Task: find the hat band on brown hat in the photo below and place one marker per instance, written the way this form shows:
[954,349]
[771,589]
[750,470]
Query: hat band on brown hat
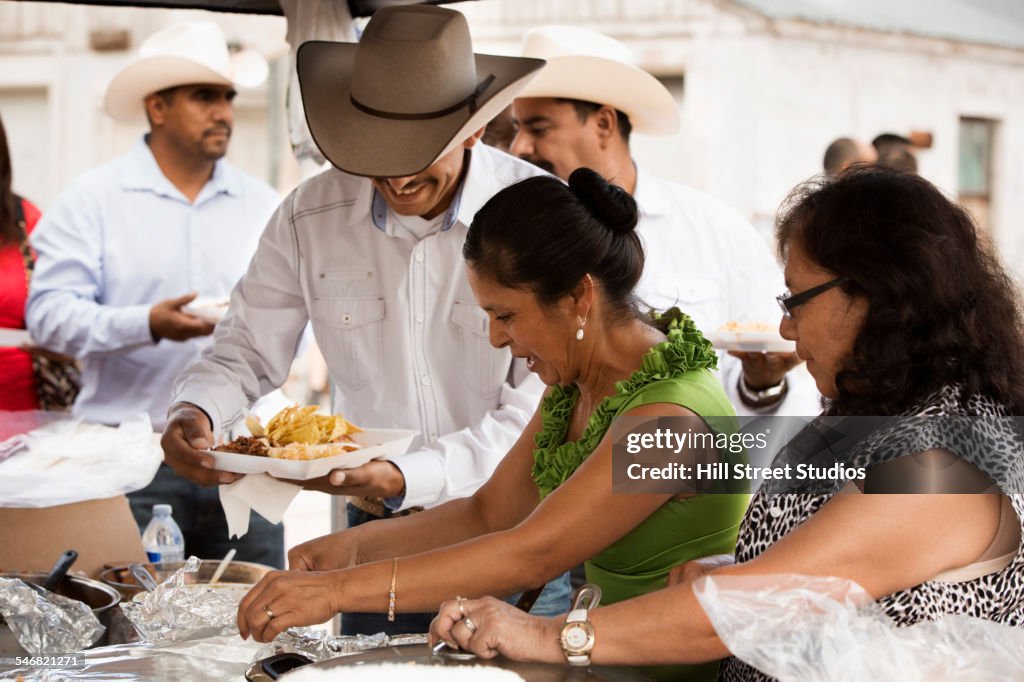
[471,100]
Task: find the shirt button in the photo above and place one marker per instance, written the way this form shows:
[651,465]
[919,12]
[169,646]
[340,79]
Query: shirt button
[419,319]
[419,256]
[346,318]
[433,436]
[425,380]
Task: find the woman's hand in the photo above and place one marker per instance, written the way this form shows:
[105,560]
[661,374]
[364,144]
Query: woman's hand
[285,599]
[488,627]
[327,553]
[691,570]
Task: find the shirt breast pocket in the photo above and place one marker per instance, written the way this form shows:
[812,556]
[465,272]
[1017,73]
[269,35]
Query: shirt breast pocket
[350,334]
[698,297]
[484,367]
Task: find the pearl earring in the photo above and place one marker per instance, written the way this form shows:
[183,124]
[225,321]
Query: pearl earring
[579,332]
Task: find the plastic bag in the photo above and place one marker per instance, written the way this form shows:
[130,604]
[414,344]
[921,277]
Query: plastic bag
[48,460]
[812,629]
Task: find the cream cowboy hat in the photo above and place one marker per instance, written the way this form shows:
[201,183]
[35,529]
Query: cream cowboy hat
[591,66]
[408,93]
[183,54]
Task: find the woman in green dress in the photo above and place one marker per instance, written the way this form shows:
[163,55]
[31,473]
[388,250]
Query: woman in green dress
[555,267]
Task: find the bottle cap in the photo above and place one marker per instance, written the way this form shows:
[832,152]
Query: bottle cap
[161,509]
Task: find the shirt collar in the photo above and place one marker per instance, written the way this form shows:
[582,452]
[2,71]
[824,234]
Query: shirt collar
[649,194]
[141,172]
[464,205]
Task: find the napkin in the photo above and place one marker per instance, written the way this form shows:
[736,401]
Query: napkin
[267,496]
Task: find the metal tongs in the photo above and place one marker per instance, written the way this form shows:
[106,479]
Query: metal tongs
[143,576]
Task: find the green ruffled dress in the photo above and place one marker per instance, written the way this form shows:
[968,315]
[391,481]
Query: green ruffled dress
[675,371]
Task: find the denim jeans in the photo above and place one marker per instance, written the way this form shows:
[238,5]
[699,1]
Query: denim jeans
[553,600]
[198,513]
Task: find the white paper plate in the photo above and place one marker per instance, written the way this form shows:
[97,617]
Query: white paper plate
[377,444]
[14,338]
[768,342]
[208,308]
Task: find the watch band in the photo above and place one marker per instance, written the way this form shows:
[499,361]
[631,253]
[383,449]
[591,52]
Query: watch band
[577,637]
[763,396]
[576,615]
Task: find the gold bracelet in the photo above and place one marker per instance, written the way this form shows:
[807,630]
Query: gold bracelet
[391,592]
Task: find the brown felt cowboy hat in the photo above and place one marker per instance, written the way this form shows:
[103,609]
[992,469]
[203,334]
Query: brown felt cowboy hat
[408,93]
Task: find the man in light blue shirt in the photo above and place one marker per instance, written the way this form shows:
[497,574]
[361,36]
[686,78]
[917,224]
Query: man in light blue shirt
[129,244]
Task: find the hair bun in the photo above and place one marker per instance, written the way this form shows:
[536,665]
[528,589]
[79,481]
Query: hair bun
[610,204]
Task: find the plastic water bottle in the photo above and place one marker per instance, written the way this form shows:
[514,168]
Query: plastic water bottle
[163,540]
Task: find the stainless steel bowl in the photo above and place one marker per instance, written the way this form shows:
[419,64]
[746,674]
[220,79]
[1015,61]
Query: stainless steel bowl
[242,572]
[102,599]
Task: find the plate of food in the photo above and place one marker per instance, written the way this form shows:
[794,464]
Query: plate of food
[207,308]
[751,337]
[299,443]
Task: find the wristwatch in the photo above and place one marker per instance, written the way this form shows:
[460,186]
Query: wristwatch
[577,635]
[762,397]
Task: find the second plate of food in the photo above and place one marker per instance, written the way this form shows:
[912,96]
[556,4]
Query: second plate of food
[751,337]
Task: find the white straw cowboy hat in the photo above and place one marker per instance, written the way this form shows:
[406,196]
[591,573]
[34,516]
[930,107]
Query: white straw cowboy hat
[591,66]
[408,93]
[183,54]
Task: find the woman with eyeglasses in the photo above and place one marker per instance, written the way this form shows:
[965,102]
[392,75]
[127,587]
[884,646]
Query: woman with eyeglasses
[901,311]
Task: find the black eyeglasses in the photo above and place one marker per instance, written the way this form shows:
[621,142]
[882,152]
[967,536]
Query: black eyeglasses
[788,301]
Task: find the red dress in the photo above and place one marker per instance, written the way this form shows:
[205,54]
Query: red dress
[17,381]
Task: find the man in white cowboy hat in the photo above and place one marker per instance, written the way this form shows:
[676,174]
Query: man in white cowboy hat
[128,245]
[701,255]
[371,252]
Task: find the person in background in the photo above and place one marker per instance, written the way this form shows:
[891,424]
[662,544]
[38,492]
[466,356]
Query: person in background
[128,245]
[896,152]
[18,217]
[500,132]
[886,331]
[701,255]
[846,151]
[555,267]
[371,252]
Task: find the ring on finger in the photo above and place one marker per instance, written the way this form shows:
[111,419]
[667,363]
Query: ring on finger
[270,614]
[470,625]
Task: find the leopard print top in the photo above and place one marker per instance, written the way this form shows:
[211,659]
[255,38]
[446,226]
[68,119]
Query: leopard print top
[998,597]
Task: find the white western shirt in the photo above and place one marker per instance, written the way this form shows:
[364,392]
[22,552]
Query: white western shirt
[120,239]
[395,318]
[703,257]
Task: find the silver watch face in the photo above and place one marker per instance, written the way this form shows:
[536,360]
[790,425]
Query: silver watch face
[576,638]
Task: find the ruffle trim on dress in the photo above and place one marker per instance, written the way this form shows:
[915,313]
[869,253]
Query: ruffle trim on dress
[684,350]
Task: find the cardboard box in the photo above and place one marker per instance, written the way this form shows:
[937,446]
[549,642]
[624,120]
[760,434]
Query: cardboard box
[101,531]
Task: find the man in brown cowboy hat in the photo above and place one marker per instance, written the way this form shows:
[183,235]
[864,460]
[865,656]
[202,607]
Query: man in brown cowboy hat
[371,252]
[127,246]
